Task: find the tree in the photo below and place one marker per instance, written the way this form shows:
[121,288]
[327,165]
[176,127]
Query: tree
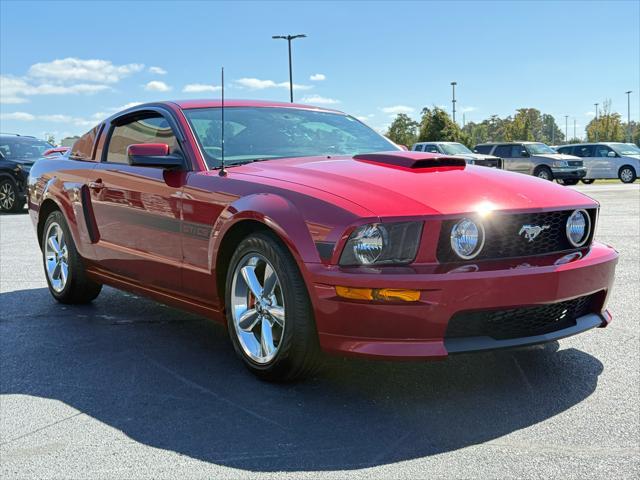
[50,138]
[436,125]
[403,130]
[608,127]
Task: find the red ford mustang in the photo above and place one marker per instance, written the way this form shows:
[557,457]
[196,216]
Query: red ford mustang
[317,235]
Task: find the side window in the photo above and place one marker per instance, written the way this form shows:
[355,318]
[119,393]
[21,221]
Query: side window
[565,150]
[583,151]
[417,148]
[503,151]
[483,149]
[431,149]
[602,151]
[516,151]
[152,129]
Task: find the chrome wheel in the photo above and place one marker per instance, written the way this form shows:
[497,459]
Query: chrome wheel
[626,175]
[257,308]
[56,257]
[7,196]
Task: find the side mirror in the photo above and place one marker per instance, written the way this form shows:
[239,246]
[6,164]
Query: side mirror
[611,154]
[153,155]
[524,153]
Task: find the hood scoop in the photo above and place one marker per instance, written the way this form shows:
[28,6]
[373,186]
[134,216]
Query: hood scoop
[411,160]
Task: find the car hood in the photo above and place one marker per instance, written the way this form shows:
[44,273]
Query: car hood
[476,156]
[557,156]
[393,190]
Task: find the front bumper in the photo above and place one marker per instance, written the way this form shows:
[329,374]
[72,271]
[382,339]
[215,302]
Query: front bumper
[418,329]
[571,173]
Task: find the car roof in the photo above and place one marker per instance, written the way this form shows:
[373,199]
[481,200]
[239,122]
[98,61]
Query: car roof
[588,143]
[216,102]
[437,141]
[515,142]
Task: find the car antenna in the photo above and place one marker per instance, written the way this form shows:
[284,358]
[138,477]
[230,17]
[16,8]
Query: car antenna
[223,172]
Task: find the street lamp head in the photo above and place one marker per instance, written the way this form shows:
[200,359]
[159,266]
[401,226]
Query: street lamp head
[275,37]
[628,92]
[454,83]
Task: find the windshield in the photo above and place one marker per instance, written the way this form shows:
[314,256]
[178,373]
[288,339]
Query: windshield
[625,148]
[455,149]
[538,149]
[266,133]
[21,149]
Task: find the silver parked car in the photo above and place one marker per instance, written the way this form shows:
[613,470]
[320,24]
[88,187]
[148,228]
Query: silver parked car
[535,158]
[455,149]
[607,160]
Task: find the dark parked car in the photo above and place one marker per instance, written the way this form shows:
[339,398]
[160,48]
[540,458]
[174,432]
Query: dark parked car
[17,155]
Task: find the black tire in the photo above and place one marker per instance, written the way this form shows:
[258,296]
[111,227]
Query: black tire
[298,353]
[79,288]
[10,201]
[588,181]
[627,174]
[543,172]
[571,181]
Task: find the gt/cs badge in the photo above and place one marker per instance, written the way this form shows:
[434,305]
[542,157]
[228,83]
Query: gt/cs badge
[532,231]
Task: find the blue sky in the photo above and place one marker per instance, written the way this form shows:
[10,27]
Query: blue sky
[66,65]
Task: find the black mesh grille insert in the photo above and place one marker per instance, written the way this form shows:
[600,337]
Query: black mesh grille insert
[504,240]
[519,322]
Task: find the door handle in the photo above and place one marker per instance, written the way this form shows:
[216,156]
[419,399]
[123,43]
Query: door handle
[97,185]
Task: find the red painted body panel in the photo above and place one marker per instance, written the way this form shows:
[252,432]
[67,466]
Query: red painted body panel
[159,233]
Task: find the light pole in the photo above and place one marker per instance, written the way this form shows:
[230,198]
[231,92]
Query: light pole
[288,38]
[596,124]
[453,99]
[566,129]
[628,116]
[574,128]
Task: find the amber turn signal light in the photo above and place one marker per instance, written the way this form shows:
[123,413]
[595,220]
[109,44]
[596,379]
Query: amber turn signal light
[388,294]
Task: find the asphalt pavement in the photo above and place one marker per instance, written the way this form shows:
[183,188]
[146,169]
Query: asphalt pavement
[129,388]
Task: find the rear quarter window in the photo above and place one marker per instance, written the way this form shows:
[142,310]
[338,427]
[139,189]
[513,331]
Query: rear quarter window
[83,148]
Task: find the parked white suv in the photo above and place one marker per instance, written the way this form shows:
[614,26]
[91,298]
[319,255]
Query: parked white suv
[607,160]
[455,149]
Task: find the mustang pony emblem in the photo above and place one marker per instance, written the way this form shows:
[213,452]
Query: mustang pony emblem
[532,231]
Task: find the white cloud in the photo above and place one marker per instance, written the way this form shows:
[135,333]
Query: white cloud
[157,70]
[396,109]
[317,77]
[365,118]
[258,84]
[318,100]
[468,109]
[14,89]
[22,116]
[590,114]
[157,86]
[76,69]
[200,87]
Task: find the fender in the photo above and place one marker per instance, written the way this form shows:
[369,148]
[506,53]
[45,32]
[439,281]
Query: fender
[67,197]
[277,213]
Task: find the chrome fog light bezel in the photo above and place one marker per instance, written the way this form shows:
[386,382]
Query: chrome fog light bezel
[479,245]
[587,228]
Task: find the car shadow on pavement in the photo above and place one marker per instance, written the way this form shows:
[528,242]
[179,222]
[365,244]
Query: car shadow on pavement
[171,380]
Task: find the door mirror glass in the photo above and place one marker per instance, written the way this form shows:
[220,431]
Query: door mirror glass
[611,154]
[153,155]
[524,153]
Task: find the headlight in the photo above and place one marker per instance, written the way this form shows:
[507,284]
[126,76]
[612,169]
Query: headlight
[560,163]
[467,238]
[578,228]
[382,243]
